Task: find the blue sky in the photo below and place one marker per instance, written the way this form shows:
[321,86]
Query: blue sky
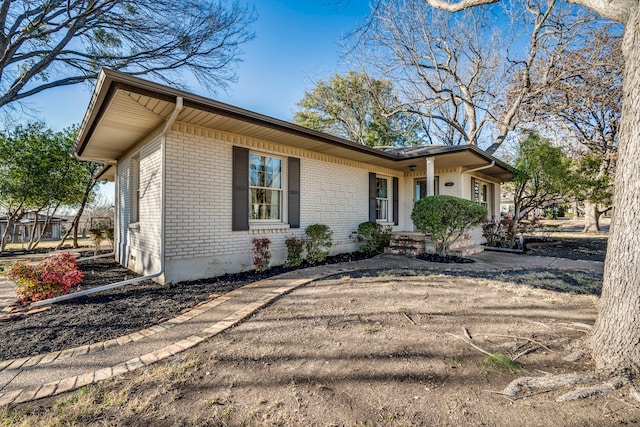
[296,42]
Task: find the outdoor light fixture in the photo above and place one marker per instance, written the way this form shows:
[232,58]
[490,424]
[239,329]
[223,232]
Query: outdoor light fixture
[412,167]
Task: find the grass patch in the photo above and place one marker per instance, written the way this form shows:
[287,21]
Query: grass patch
[453,362]
[502,363]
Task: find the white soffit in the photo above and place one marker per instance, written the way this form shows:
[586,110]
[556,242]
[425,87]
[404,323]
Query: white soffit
[127,120]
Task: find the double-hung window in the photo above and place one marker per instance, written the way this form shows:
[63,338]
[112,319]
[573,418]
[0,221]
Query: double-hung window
[382,199]
[265,188]
[481,193]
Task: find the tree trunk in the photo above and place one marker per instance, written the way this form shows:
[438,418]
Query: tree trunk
[591,218]
[5,234]
[576,213]
[34,230]
[76,221]
[47,222]
[614,342]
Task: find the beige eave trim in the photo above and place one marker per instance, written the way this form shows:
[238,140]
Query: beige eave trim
[124,110]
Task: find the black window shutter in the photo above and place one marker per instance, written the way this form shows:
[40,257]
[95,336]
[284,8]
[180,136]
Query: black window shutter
[294,192]
[396,208]
[372,196]
[473,190]
[436,185]
[240,195]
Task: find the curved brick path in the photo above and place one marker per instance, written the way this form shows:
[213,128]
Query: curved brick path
[45,375]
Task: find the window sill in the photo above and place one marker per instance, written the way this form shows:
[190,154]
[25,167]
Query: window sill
[386,223]
[257,228]
[134,226]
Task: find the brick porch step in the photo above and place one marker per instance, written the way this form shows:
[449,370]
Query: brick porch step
[408,244]
[416,243]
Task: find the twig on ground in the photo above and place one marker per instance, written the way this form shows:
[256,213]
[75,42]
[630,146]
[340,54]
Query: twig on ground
[576,326]
[467,333]
[521,338]
[538,323]
[524,353]
[409,318]
[501,394]
[470,343]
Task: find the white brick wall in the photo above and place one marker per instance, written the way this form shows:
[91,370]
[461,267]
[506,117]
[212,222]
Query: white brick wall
[198,183]
[139,246]
[199,240]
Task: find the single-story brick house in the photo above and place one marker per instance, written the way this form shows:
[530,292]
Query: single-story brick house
[196,180]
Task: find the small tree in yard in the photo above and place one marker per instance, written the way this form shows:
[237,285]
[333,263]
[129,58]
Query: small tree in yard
[446,218]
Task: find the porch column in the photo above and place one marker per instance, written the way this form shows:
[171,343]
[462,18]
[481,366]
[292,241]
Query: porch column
[430,176]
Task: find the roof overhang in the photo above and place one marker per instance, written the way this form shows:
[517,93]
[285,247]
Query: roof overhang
[125,110]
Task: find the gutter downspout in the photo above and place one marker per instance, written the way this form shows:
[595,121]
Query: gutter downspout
[493,162]
[172,118]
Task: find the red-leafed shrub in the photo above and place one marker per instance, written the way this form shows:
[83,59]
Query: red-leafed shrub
[261,253]
[50,278]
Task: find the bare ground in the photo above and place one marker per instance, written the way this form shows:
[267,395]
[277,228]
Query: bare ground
[380,348]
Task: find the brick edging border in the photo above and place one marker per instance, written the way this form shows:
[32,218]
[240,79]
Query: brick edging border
[45,358]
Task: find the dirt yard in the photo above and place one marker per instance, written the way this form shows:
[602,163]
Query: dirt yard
[372,349]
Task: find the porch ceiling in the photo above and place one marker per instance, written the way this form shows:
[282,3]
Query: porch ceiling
[125,110]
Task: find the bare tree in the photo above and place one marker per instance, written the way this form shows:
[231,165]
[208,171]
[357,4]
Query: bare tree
[50,43]
[455,70]
[586,102]
[614,340]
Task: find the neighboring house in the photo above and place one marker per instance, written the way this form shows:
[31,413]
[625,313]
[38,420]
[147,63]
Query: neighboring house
[22,230]
[197,179]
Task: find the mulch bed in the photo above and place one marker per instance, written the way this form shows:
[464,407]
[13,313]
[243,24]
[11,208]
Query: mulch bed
[116,312]
[589,248]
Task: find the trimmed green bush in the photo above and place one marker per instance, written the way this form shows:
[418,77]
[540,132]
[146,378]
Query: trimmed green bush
[446,218]
[295,247]
[373,236]
[318,242]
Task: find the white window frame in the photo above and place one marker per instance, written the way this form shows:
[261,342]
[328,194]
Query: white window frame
[481,193]
[134,190]
[279,190]
[383,200]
